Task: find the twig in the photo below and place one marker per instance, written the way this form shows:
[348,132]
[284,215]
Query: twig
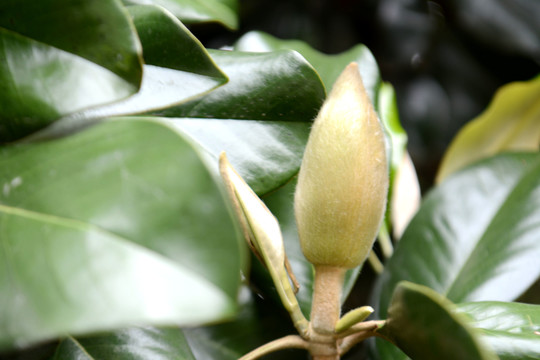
[287,342]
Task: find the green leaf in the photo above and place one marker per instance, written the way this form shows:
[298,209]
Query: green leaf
[511,329]
[266,151]
[259,89]
[328,66]
[110,221]
[475,236]
[177,68]
[196,11]
[60,56]
[129,344]
[422,324]
[169,44]
[510,123]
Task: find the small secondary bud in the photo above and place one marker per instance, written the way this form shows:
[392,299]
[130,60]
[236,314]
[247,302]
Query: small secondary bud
[343,181]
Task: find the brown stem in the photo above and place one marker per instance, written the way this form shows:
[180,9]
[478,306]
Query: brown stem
[325,311]
[326,306]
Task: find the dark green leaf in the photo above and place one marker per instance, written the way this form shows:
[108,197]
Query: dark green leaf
[266,151]
[279,86]
[196,11]
[130,344]
[511,329]
[103,229]
[422,324]
[177,68]
[328,66]
[475,236]
[169,44]
[57,57]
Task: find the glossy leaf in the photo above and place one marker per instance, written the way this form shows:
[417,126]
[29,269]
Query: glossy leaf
[267,150]
[107,224]
[58,57]
[328,66]
[511,329]
[130,344]
[260,88]
[196,11]
[510,123]
[177,68]
[422,324]
[474,237]
[169,44]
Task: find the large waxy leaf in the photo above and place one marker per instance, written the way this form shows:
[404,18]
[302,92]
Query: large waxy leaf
[475,236]
[279,86]
[510,123]
[177,68]
[328,66]
[254,325]
[511,329]
[267,150]
[422,324]
[85,216]
[129,344]
[61,56]
[196,11]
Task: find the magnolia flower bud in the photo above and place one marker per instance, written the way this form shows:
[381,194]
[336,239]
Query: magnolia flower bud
[343,181]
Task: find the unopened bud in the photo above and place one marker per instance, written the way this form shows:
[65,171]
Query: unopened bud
[343,181]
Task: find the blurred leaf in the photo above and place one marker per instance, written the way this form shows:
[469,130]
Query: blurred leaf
[404,192]
[60,56]
[177,68]
[474,237]
[328,66]
[406,196]
[511,329]
[267,150]
[422,324]
[104,229]
[509,25]
[196,11]
[130,344]
[510,123]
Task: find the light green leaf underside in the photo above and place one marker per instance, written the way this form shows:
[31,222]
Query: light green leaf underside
[511,329]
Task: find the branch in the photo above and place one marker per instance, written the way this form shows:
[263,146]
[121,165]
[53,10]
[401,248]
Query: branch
[287,342]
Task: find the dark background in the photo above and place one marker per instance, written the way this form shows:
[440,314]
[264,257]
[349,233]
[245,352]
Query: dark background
[445,58]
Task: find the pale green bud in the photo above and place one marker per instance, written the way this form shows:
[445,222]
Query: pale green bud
[343,181]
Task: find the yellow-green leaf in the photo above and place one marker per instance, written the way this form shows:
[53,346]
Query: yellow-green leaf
[510,123]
